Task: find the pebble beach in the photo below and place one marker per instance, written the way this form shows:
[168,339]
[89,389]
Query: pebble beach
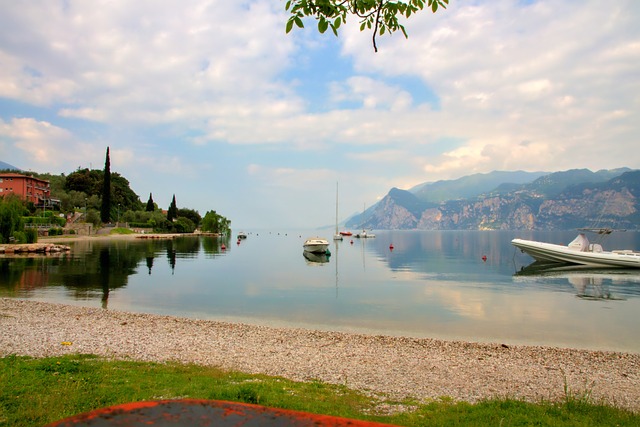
[423,369]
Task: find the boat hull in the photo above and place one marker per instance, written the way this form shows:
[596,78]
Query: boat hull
[549,252]
[316,246]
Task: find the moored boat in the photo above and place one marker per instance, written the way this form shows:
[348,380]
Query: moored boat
[316,245]
[580,252]
[364,235]
[337,235]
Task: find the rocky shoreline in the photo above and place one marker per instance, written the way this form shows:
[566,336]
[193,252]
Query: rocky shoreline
[423,369]
[33,248]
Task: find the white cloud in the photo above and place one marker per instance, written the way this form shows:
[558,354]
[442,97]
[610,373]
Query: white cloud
[548,85]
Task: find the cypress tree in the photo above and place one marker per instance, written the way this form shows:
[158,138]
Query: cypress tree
[105,210]
[150,205]
[172,213]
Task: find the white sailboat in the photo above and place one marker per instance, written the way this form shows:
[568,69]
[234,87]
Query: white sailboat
[337,235]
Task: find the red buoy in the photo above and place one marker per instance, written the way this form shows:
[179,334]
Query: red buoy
[223,247]
[484,258]
[391,247]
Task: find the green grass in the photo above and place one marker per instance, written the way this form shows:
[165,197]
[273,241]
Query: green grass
[121,230]
[34,392]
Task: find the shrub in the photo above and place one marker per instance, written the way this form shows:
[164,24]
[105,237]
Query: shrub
[31,235]
[20,237]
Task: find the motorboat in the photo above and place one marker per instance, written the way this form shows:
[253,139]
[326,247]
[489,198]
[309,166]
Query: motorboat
[364,235]
[242,235]
[316,245]
[346,233]
[579,252]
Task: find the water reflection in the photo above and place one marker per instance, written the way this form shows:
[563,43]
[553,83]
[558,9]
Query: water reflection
[435,284]
[315,258]
[96,268]
[588,283]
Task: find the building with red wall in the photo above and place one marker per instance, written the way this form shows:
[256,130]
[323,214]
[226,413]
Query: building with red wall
[26,187]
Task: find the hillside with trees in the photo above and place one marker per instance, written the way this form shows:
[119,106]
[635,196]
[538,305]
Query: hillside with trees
[81,196]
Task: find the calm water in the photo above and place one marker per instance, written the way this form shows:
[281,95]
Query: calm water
[432,284]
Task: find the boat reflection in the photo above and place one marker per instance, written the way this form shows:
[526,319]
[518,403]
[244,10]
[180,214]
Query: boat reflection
[314,258]
[588,282]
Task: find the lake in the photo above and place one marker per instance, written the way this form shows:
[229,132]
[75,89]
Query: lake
[463,285]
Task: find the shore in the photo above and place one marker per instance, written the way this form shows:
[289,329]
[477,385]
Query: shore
[424,369]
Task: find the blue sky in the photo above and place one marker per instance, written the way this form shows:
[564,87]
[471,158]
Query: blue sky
[213,102]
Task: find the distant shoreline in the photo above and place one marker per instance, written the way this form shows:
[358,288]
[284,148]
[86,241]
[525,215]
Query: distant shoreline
[397,366]
[131,236]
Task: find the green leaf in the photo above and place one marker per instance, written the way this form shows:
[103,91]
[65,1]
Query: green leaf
[286,6]
[299,22]
[322,25]
[434,6]
[289,25]
[337,23]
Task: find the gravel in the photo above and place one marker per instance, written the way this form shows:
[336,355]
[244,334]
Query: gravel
[399,367]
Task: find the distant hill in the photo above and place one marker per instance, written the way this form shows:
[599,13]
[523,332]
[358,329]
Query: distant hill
[7,166]
[472,185]
[559,200]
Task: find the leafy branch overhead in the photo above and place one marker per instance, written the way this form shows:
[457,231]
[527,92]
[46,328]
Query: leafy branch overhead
[379,16]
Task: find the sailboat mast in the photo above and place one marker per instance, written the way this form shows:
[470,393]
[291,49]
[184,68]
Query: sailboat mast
[336,208]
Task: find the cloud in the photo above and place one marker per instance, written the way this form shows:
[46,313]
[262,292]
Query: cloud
[214,91]
[38,144]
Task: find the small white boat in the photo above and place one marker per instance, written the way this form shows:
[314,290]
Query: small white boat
[580,251]
[242,235]
[316,245]
[364,235]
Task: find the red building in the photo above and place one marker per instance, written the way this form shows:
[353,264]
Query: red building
[26,187]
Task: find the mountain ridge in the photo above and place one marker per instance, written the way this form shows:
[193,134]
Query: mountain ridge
[557,200]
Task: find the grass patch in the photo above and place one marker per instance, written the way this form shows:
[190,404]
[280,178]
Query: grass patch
[121,230]
[34,392]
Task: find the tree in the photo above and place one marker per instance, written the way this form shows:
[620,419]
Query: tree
[380,16]
[11,212]
[172,213]
[150,206]
[122,194]
[214,223]
[105,210]
[84,180]
[193,215]
[184,225]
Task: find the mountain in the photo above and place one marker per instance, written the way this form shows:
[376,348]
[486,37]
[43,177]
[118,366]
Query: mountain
[472,185]
[6,166]
[559,200]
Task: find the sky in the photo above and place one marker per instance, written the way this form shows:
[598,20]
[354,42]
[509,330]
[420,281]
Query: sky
[211,101]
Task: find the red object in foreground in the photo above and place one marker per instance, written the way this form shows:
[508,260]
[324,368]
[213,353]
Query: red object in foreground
[188,412]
